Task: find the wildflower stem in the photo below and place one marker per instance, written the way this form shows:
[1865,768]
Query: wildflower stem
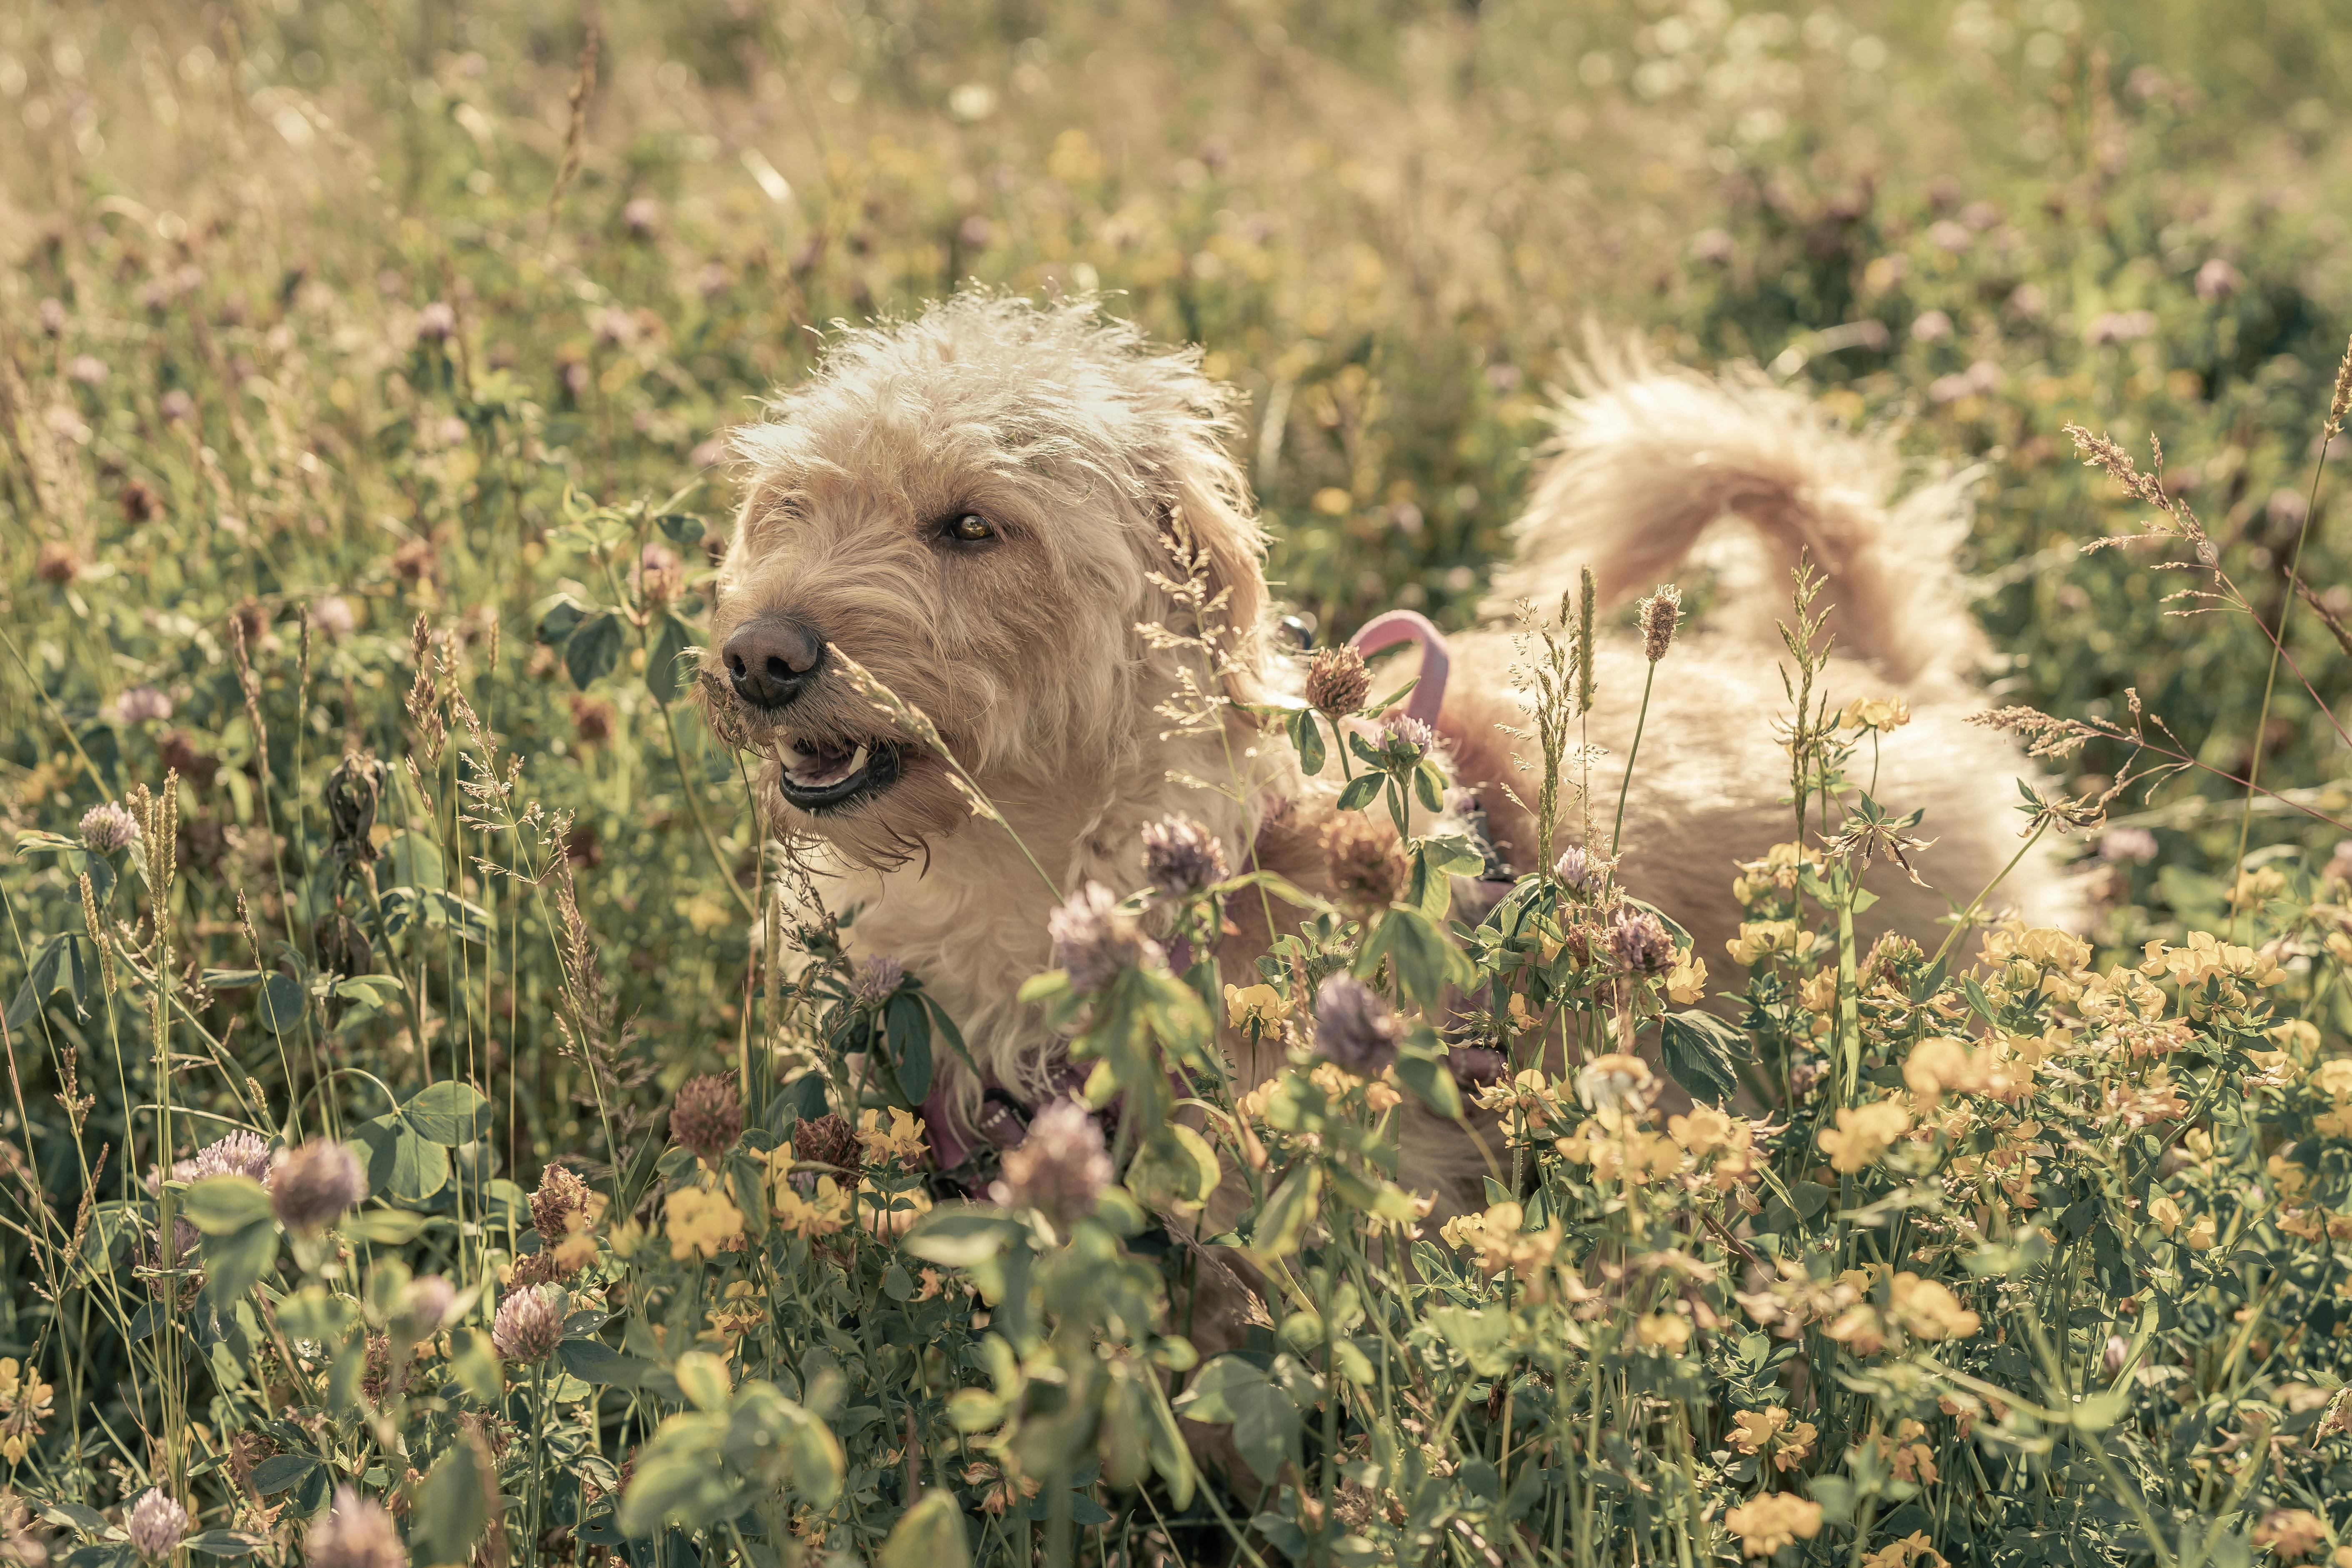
[2270,679]
[1961,922]
[701,823]
[49,702]
[1617,833]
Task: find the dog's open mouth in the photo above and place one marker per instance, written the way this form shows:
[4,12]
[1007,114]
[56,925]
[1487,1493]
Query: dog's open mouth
[823,774]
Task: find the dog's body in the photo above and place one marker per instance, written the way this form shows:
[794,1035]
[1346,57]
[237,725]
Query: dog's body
[991,506]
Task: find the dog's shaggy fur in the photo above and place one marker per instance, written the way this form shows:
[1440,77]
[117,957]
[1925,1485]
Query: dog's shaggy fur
[1102,468]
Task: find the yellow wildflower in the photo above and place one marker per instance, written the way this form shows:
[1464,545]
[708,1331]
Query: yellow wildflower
[1818,992]
[1758,940]
[1902,1553]
[1910,1459]
[1929,1310]
[1706,1129]
[1500,1243]
[1667,1331]
[1259,1005]
[1860,1328]
[1883,713]
[2165,1213]
[701,1223]
[2290,1532]
[1771,1431]
[901,1141]
[1686,980]
[2200,1236]
[1767,1523]
[1942,1064]
[822,1211]
[2332,1077]
[1864,1133]
[27,1401]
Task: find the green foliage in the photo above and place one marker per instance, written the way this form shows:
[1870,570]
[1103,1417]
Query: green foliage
[357,458]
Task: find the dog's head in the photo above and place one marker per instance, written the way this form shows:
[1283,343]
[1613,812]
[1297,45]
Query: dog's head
[973,506]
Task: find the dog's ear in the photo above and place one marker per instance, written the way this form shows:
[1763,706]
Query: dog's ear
[1211,534]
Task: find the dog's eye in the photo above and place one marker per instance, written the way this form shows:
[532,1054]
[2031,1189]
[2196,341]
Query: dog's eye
[971,529]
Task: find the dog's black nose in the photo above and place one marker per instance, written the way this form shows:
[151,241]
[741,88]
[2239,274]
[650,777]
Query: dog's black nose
[770,659]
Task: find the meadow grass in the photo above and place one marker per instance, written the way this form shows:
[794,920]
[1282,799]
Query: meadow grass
[363,372]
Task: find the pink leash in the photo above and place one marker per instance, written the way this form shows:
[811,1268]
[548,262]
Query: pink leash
[1410,625]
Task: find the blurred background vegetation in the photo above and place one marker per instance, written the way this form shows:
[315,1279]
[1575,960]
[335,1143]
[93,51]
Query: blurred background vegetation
[317,313]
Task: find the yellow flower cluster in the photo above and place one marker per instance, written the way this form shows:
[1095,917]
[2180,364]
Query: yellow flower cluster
[1685,983]
[2333,1078]
[2045,947]
[900,1138]
[1943,1064]
[1922,1308]
[1909,1459]
[1760,940]
[1775,1434]
[701,1223]
[1904,1553]
[2201,1234]
[1773,877]
[1667,1331]
[1259,1007]
[1528,1091]
[1620,1149]
[1882,713]
[1767,1523]
[1864,1133]
[1730,1139]
[2207,958]
[1500,1242]
[24,1403]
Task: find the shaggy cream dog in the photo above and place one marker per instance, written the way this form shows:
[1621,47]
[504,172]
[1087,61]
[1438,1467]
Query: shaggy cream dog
[999,509]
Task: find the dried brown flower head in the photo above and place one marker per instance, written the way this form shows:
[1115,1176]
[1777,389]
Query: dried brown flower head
[827,1139]
[1338,681]
[1365,859]
[706,1116]
[561,1205]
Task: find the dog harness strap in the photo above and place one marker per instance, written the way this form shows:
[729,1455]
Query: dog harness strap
[1410,625]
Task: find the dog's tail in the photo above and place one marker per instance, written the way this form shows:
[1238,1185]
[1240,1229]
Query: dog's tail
[1647,459]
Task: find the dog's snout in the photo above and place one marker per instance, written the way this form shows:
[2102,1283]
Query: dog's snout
[770,659]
